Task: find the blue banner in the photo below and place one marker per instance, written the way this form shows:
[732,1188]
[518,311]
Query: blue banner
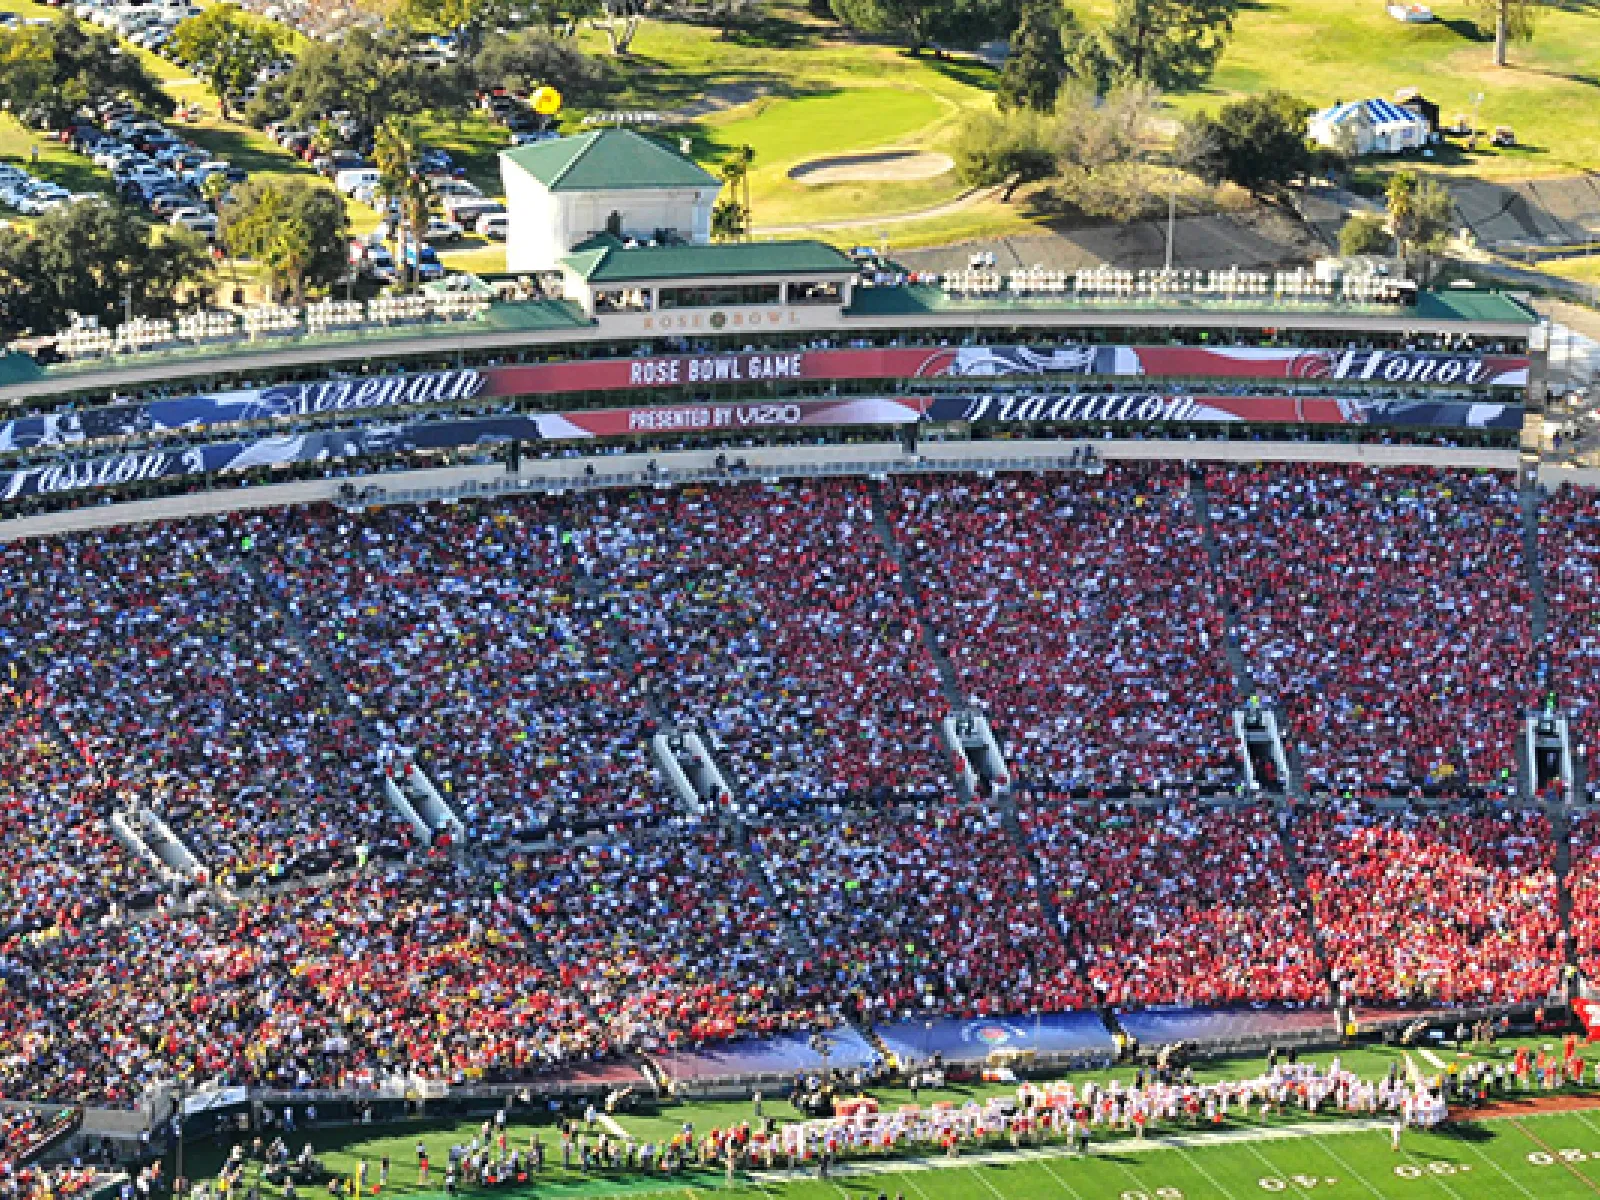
[779,1054]
[1072,1034]
[1159,1026]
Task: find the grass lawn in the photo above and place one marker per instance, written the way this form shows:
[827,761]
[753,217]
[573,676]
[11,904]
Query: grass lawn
[1551,1156]
[1327,50]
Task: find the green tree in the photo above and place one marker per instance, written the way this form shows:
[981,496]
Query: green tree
[1513,20]
[1033,71]
[469,20]
[1170,44]
[83,258]
[228,48]
[1364,233]
[1420,213]
[1004,149]
[48,73]
[371,75]
[921,23]
[296,229]
[1258,142]
[531,58]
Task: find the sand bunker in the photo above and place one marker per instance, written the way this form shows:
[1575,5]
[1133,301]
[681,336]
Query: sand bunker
[879,166]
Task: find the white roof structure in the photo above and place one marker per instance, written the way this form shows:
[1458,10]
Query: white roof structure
[1375,126]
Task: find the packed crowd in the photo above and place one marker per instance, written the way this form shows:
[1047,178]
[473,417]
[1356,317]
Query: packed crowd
[667,938]
[153,667]
[1390,612]
[181,692]
[1583,882]
[773,618]
[460,631]
[1177,904]
[1569,558]
[1455,907]
[1077,611]
[63,869]
[411,970]
[907,914]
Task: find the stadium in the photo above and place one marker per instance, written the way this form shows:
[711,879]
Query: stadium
[753,719]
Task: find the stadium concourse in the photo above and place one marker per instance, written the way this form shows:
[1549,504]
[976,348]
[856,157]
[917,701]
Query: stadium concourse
[216,729]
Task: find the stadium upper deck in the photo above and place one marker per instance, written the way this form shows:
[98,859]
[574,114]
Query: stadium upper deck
[754,343]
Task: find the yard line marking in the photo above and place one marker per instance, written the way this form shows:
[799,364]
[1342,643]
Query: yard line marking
[1421,1166]
[1501,1171]
[1276,1170]
[1346,1167]
[915,1186]
[978,1174]
[1209,1177]
[1576,1174]
[1429,1057]
[1050,1171]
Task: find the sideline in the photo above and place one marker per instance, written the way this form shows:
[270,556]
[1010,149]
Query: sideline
[1044,1154]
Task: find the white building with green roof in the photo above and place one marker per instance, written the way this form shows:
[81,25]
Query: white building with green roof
[566,190]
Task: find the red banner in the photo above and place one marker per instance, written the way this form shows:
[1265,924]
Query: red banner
[987,362]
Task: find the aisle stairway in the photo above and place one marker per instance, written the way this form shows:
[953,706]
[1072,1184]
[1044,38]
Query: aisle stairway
[1243,680]
[413,797]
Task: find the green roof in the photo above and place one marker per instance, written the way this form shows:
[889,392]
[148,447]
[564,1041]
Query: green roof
[18,368]
[1471,304]
[605,260]
[607,160]
[922,300]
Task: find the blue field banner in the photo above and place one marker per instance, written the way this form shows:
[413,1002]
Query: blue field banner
[778,1054]
[1158,1026]
[1071,1034]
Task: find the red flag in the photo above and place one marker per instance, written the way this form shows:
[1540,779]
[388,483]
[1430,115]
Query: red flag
[1589,1013]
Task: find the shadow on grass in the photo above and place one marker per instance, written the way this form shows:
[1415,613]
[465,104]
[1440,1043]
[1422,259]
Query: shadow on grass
[1471,1132]
[1467,31]
[970,72]
[246,149]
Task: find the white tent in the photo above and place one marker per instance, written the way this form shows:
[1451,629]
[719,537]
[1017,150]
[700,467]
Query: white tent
[1376,126]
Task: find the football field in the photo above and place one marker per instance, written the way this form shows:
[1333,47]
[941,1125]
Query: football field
[1540,1145]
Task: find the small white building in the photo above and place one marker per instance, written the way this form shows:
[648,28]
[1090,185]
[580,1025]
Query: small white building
[563,191]
[1375,126]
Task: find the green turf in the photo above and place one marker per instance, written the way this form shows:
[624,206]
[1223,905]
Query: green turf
[1290,1156]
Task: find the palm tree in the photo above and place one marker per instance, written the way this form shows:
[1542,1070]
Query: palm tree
[731,218]
[400,182]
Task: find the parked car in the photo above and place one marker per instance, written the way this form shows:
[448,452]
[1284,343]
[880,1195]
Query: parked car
[496,226]
[440,230]
[196,220]
[424,260]
[348,181]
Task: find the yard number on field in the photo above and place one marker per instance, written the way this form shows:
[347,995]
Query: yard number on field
[1413,1171]
[1540,1159]
[1271,1183]
[1158,1194]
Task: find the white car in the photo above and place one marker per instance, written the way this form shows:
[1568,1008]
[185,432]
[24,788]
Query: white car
[439,230]
[43,198]
[495,225]
[196,220]
[445,188]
